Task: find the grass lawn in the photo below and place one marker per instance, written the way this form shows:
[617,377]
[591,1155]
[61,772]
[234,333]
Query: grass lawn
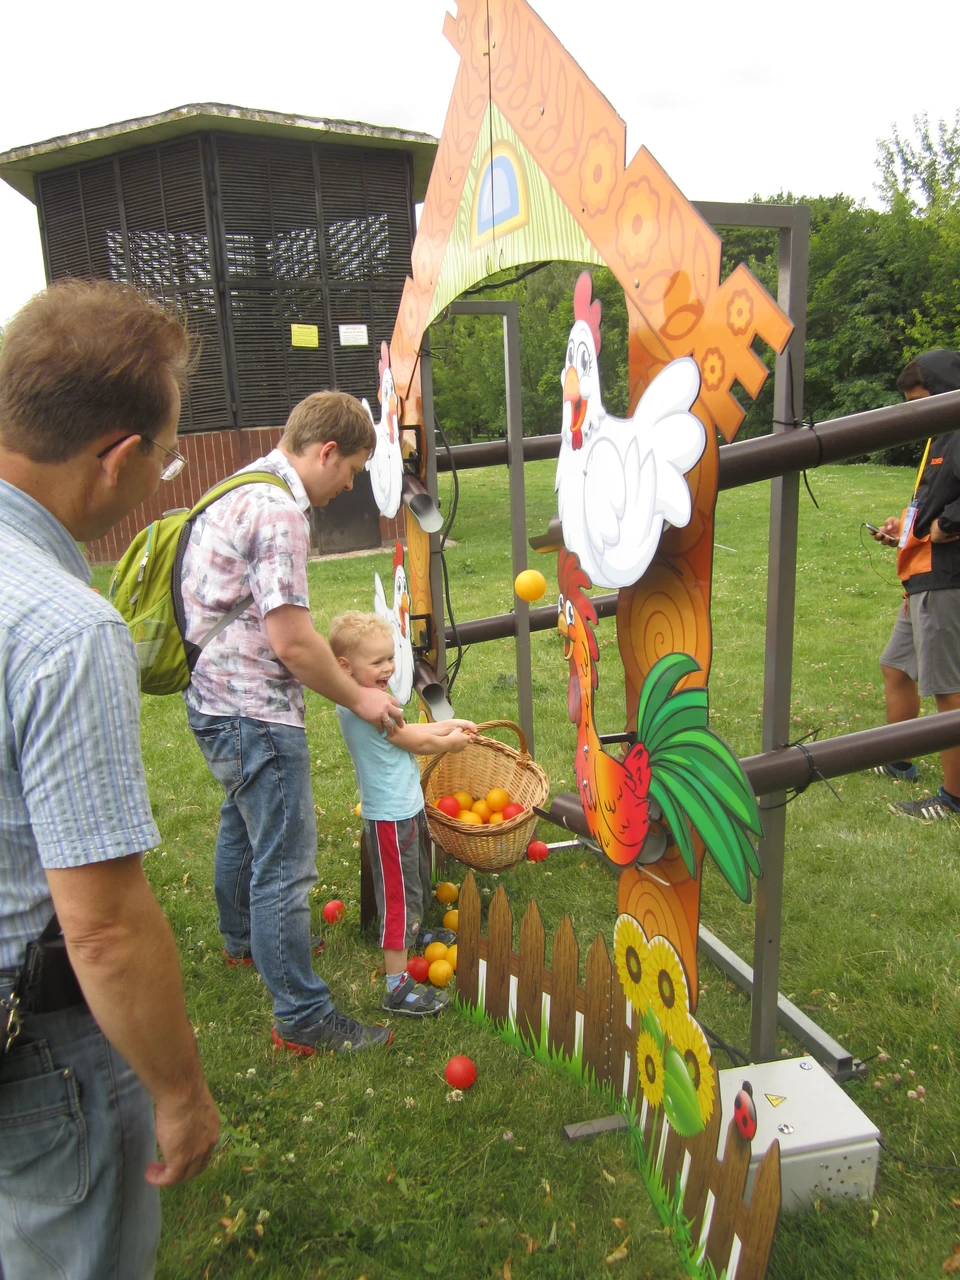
[349,1168]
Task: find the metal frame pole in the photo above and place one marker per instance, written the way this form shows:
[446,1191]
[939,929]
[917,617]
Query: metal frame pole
[778,656]
[509,311]
[430,448]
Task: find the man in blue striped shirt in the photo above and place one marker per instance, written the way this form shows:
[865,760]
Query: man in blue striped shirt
[102,1073]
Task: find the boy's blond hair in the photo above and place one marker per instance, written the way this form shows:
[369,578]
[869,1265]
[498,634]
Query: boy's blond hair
[329,415]
[350,629]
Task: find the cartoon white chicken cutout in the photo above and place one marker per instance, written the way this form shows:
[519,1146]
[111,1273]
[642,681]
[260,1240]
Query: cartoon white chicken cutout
[398,619]
[619,479]
[385,464]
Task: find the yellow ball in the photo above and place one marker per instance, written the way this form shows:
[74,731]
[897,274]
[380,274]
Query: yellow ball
[435,951]
[451,920]
[357,809]
[451,957]
[530,584]
[440,973]
[447,891]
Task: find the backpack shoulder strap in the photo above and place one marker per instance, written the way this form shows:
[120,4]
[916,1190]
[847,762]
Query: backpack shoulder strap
[211,496]
[235,482]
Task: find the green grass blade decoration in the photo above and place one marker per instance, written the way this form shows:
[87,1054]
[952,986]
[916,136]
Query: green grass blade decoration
[719,769]
[677,822]
[663,677]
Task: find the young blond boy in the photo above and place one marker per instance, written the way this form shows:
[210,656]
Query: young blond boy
[391,805]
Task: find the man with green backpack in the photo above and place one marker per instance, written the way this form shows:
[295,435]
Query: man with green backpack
[245,705]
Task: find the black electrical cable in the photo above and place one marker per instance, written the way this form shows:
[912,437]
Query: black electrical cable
[502,284]
[737,1057]
[919,1164]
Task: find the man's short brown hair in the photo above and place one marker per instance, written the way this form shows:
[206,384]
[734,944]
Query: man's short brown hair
[350,629]
[84,358]
[329,415]
[911,376]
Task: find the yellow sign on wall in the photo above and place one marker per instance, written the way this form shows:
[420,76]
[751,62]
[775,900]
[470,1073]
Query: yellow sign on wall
[304,335]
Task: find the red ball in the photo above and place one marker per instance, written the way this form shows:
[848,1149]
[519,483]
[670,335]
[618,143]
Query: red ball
[333,911]
[512,811]
[449,805]
[460,1072]
[537,851]
[418,968]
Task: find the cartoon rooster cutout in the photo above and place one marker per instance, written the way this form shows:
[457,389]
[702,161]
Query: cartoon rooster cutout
[385,464]
[677,761]
[619,479]
[398,619]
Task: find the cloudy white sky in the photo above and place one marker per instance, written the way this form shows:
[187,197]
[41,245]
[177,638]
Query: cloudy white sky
[733,99]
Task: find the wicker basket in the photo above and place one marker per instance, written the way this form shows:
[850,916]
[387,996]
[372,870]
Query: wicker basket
[483,764]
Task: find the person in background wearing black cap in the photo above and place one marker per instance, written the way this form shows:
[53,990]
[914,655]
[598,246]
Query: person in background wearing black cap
[923,656]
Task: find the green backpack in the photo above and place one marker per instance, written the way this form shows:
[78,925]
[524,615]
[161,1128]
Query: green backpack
[145,590]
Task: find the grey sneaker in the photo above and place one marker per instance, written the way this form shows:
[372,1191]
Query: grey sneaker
[899,775]
[931,809]
[337,1032]
[425,1002]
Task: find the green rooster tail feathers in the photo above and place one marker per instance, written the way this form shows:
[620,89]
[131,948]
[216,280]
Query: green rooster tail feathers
[695,775]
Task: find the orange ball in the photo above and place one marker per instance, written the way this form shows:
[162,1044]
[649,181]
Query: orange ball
[447,892]
[481,809]
[530,584]
[435,951]
[496,819]
[473,819]
[451,957]
[441,971]
[451,920]
[498,798]
[465,798]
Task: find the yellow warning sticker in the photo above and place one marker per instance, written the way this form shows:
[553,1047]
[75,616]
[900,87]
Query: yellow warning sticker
[774,1098]
[304,335]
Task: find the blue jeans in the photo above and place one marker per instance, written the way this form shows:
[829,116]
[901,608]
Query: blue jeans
[266,856]
[76,1134]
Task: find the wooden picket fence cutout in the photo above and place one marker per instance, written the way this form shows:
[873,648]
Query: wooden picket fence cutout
[607,1055]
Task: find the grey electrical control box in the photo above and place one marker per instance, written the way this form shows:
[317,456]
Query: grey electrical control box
[828,1148]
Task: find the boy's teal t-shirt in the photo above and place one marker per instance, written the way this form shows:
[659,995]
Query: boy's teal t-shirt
[388,776]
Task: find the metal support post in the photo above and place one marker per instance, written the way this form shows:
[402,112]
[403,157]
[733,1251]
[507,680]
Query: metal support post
[509,312]
[430,449]
[778,654]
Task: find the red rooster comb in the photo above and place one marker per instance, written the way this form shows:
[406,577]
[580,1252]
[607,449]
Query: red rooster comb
[398,556]
[585,310]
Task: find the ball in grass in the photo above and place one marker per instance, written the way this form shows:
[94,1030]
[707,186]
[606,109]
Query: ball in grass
[537,851]
[451,920]
[451,957]
[530,584]
[418,968]
[333,911]
[435,951]
[460,1072]
[357,809]
[440,973]
[446,890]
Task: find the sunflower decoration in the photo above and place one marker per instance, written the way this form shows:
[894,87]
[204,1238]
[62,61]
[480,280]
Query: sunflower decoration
[665,988]
[631,953]
[650,1068]
[690,1042]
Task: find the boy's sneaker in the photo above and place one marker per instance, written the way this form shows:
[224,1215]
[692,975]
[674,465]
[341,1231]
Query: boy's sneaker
[336,1032]
[411,1000]
[910,774]
[426,936]
[932,809]
[317,944]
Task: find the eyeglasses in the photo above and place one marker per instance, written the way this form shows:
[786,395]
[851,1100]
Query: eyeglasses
[169,471]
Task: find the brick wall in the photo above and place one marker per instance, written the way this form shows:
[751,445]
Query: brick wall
[211,456]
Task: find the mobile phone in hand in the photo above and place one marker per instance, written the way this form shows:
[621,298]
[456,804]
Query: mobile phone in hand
[871,527]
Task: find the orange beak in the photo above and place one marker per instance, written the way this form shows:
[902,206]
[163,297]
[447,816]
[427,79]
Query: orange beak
[578,406]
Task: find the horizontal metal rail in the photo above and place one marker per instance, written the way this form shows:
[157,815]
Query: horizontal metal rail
[749,461]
